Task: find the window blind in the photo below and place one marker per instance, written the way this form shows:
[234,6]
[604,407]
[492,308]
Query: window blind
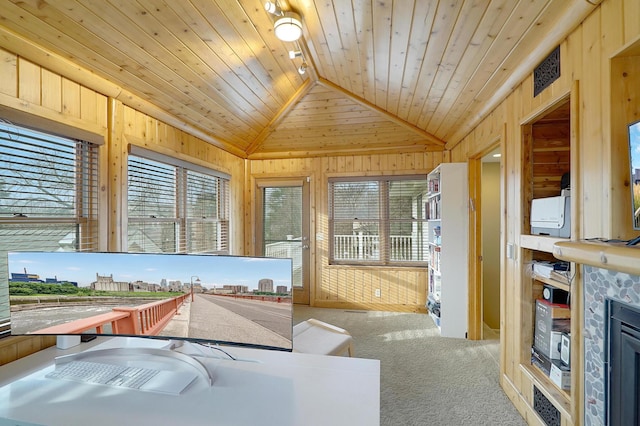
[152,206]
[174,209]
[207,213]
[378,220]
[48,198]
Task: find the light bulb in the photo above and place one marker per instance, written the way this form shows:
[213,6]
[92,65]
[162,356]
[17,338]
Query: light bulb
[288,27]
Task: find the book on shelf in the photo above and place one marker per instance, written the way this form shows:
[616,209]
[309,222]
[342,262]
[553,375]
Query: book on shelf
[547,269]
[542,268]
[434,185]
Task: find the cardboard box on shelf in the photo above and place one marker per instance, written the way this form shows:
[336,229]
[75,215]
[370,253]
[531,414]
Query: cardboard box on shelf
[560,375]
[551,321]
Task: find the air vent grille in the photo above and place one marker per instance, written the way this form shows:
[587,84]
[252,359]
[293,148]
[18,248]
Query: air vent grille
[547,72]
[545,409]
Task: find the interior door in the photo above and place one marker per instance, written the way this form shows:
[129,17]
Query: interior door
[282,228]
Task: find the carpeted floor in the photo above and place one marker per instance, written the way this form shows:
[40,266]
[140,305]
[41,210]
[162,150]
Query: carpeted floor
[425,379]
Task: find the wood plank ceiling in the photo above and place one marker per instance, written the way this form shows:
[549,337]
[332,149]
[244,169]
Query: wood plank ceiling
[383,76]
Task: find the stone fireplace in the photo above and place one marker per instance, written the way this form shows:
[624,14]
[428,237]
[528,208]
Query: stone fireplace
[601,285]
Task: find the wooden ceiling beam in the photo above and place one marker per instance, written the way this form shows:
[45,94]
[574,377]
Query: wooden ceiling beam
[343,152]
[281,115]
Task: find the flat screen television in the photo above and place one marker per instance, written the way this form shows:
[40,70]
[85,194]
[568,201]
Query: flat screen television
[634,162]
[227,300]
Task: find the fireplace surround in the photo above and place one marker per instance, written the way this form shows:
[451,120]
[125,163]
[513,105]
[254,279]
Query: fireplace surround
[610,272]
[623,344]
[602,288]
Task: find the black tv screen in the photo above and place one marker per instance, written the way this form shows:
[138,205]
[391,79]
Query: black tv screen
[235,300]
[634,156]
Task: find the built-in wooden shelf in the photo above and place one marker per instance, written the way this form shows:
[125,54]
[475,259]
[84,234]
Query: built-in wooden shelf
[615,256]
[558,284]
[540,242]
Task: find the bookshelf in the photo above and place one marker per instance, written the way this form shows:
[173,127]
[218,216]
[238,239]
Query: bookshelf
[447,212]
[547,156]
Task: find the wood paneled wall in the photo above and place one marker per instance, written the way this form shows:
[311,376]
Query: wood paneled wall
[602,105]
[131,127]
[401,289]
[34,96]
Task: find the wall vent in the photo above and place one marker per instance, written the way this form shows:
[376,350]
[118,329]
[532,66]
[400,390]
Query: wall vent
[547,72]
[545,409]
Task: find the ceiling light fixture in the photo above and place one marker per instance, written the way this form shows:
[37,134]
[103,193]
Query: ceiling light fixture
[295,54]
[303,68]
[288,27]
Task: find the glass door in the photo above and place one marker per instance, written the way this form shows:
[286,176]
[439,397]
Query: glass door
[282,221]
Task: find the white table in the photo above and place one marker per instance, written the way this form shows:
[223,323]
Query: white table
[271,388]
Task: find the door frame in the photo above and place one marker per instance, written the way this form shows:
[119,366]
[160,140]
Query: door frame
[299,295]
[475,326]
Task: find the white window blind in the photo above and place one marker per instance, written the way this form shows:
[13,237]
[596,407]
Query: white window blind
[48,197]
[175,209]
[378,221]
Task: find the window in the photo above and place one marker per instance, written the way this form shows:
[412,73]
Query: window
[48,198]
[378,221]
[175,206]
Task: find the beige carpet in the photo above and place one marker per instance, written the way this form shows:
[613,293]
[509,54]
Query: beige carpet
[425,379]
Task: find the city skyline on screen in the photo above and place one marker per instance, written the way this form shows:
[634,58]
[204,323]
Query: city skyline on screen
[211,270]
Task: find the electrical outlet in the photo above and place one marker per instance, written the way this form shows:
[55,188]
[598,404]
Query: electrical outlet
[377,292]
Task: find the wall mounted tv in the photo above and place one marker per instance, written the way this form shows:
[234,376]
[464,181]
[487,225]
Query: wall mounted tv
[234,300]
[634,157]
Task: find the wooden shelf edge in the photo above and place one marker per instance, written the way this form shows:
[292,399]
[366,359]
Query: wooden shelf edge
[539,242]
[561,399]
[551,281]
[616,256]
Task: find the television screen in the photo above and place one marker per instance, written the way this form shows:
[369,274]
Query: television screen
[634,156]
[234,300]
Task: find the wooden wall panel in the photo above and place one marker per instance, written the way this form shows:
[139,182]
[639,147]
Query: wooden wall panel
[340,286]
[29,81]
[144,131]
[9,73]
[52,91]
[13,348]
[37,97]
[608,100]
[550,157]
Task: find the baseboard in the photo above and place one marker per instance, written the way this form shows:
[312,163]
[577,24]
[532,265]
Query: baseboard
[520,402]
[369,306]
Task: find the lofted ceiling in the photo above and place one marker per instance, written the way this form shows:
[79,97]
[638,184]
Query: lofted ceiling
[383,76]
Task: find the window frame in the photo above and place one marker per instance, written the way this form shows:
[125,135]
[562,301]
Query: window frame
[181,219]
[384,221]
[84,217]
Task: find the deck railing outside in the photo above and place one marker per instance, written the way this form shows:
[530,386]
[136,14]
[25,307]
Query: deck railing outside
[367,247]
[148,319]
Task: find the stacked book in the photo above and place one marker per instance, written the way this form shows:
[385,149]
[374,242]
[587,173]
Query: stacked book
[542,268]
[558,271]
